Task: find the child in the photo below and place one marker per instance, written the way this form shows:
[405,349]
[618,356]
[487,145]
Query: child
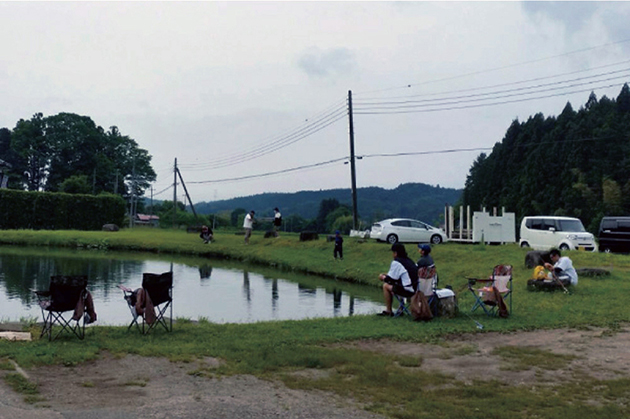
[338,245]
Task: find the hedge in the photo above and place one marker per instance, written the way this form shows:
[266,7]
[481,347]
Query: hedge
[59,211]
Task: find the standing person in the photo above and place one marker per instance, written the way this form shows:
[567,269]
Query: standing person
[277,220]
[248,224]
[402,278]
[338,245]
[562,268]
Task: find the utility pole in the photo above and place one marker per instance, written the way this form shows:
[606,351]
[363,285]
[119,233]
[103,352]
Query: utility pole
[133,193]
[353,175]
[175,194]
[187,196]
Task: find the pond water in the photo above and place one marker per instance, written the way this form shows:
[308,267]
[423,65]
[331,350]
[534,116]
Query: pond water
[218,291]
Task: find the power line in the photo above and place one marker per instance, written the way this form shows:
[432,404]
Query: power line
[320,125]
[498,92]
[500,68]
[396,111]
[272,173]
[322,120]
[495,85]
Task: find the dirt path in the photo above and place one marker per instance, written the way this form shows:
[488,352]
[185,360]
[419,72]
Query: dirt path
[137,387]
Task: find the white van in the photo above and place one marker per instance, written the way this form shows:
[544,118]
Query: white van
[564,233]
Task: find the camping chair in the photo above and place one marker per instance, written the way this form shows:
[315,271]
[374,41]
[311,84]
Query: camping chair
[65,293]
[403,305]
[152,300]
[486,297]
[427,284]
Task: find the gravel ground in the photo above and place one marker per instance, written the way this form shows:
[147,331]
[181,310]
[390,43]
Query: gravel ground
[137,387]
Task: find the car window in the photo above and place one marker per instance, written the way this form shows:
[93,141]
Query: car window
[401,223]
[549,223]
[418,224]
[624,226]
[570,225]
[609,224]
[535,224]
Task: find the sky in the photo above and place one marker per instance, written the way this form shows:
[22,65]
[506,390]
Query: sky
[252,97]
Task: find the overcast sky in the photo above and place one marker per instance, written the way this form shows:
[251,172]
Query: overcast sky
[245,89]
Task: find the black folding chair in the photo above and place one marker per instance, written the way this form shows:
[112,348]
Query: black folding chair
[64,294]
[158,292]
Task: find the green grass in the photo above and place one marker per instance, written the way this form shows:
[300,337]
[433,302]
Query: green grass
[390,385]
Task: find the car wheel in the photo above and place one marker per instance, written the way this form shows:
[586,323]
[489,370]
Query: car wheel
[564,246]
[392,238]
[436,239]
[606,249]
[524,244]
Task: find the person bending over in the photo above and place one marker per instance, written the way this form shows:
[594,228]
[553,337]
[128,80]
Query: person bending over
[402,278]
[562,268]
[206,234]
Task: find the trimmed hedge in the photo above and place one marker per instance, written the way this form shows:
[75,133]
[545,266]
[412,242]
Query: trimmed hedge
[58,211]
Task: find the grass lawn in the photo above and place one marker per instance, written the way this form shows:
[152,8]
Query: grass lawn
[274,349]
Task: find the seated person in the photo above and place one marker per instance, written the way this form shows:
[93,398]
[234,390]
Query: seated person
[206,234]
[402,278]
[426,270]
[425,261]
[562,268]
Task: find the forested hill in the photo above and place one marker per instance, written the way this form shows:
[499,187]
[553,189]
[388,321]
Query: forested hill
[414,200]
[575,164]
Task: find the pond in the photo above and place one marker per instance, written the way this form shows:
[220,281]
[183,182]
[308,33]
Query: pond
[218,291]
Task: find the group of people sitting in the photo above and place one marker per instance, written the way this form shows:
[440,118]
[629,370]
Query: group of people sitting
[402,278]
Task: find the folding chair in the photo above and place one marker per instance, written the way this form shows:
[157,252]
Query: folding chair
[427,284]
[65,293]
[403,305]
[152,300]
[485,297]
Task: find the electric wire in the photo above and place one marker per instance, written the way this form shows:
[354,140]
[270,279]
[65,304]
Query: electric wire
[322,120]
[472,89]
[361,103]
[450,108]
[163,190]
[260,175]
[404,154]
[474,73]
[277,146]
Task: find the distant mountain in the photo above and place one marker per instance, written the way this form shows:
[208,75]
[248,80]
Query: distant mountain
[412,200]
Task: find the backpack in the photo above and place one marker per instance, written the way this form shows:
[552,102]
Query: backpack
[419,307]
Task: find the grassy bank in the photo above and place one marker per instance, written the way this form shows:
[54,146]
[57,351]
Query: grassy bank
[275,349]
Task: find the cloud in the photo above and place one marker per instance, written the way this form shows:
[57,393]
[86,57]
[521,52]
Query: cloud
[573,15]
[323,64]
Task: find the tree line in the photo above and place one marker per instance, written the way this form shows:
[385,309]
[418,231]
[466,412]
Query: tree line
[70,153]
[576,164]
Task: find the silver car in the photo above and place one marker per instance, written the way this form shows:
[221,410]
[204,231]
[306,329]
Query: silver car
[395,230]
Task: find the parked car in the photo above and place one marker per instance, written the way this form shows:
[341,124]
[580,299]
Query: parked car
[395,230]
[614,234]
[564,233]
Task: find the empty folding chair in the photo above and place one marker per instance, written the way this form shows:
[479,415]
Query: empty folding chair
[494,291]
[150,303]
[65,294]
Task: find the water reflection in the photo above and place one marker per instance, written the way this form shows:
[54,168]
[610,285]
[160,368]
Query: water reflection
[213,290]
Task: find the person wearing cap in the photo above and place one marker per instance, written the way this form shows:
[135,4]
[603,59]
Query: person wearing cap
[402,278]
[425,258]
[338,246]
[248,224]
[206,234]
